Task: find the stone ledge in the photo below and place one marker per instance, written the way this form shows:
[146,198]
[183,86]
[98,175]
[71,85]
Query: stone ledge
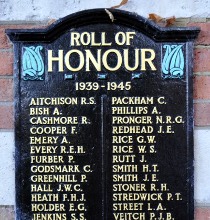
[7,213]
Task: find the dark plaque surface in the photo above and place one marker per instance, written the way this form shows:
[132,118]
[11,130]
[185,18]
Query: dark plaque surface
[104,119]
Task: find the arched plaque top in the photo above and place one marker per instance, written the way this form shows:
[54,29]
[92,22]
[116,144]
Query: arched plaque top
[100,16]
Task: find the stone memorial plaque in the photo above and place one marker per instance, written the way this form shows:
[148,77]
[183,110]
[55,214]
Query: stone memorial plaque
[104,119]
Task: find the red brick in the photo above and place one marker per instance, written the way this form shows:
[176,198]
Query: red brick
[202,213]
[6,90]
[202,87]
[202,60]
[7,213]
[202,114]
[6,117]
[204,35]
[4,40]
[6,63]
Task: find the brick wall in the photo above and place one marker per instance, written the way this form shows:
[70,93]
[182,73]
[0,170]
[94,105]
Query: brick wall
[6,116]
[201,99]
[202,92]
[202,75]
[6,73]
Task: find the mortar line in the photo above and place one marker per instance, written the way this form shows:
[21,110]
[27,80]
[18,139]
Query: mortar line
[202,127]
[6,130]
[195,101]
[6,103]
[6,76]
[202,73]
[6,49]
[202,46]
